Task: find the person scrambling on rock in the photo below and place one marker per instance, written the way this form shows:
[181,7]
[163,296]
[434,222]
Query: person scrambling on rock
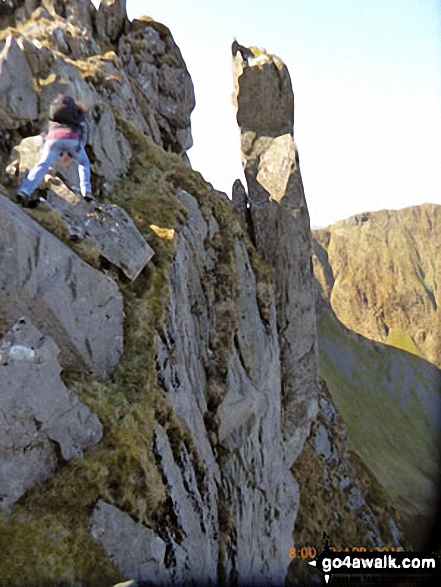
[67,135]
[244,51]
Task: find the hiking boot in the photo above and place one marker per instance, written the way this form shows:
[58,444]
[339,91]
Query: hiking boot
[25,200]
[89,198]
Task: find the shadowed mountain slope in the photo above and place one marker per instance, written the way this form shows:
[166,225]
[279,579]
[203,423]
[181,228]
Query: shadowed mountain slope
[390,403]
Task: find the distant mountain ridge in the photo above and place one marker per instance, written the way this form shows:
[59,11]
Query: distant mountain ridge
[377,298]
[383,271]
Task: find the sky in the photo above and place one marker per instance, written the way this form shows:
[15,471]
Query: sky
[366,76]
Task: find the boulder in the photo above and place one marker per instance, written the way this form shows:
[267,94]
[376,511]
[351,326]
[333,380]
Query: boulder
[40,423]
[108,227]
[135,549]
[81,309]
[18,98]
[264,97]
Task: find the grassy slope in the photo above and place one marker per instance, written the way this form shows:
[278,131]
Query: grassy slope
[389,400]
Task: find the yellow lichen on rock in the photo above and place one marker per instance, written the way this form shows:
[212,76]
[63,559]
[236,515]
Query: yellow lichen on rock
[164,233]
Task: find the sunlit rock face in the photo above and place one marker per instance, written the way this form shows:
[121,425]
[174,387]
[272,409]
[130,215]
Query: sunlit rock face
[248,480]
[116,68]
[41,277]
[279,226]
[383,271]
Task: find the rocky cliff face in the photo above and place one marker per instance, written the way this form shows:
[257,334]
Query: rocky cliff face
[136,73]
[189,385]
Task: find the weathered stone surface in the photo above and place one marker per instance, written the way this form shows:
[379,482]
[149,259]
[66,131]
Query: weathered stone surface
[18,99]
[135,549]
[39,417]
[108,227]
[24,156]
[111,18]
[150,54]
[80,308]
[255,493]
[264,97]
[67,26]
[280,218]
[240,199]
[147,86]
[54,74]
[195,507]
[110,146]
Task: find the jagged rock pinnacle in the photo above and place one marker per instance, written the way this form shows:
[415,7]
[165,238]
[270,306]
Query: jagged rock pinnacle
[279,218]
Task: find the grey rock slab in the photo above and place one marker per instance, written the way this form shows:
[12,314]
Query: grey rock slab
[37,412]
[136,550]
[18,98]
[80,308]
[255,492]
[196,514]
[108,227]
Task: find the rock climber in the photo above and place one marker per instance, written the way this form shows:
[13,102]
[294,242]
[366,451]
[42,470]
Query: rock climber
[244,51]
[68,134]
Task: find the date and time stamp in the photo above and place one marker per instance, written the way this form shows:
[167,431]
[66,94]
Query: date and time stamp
[308,553]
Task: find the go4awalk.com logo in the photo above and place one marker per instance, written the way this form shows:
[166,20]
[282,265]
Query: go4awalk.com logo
[372,563]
